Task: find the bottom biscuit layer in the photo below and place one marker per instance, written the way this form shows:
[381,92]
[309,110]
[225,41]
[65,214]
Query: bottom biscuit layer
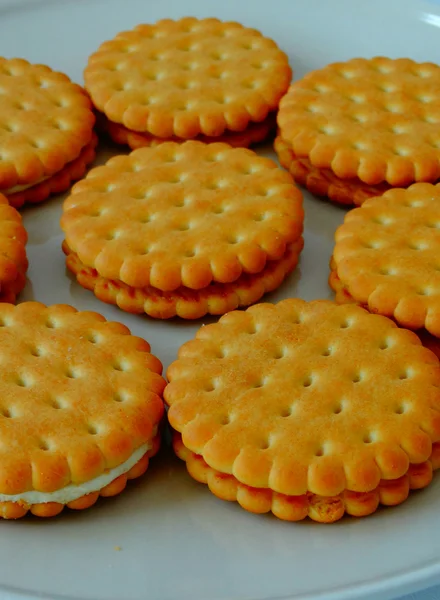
[342,295]
[318,508]
[19,508]
[10,290]
[255,133]
[323,182]
[216,299]
[56,184]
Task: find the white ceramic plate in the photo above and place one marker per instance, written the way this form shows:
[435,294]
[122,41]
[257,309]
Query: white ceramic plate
[178,541]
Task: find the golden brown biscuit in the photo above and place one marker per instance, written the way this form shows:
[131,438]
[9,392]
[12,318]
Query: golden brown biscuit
[45,122]
[80,406]
[13,259]
[215,299]
[387,256]
[333,410]
[187,78]
[182,214]
[57,183]
[323,182]
[372,119]
[185,216]
[253,134]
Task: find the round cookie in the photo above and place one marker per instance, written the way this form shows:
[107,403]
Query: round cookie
[387,256]
[334,410]
[13,259]
[45,123]
[184,219]
[187,78]
[372,121]
[80,408]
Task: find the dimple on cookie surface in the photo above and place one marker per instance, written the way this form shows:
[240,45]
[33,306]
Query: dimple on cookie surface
[182,215]
[13,259]
[323,182]
[253,134]
[187,77]
[78,397]
[373,119]
[45,121]
[329,398]
[387,256]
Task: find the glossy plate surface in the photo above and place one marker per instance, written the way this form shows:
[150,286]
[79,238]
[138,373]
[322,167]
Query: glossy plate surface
[177,541]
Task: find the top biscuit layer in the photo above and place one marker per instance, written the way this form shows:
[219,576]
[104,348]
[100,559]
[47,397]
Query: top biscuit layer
[328,398]
[13,238]
[45,121]
[387,255]
[182,215]
[187,77]
[375,119]
[78,395]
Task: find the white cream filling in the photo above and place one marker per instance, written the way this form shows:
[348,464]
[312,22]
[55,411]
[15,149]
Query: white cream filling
[73,492]
[21,188]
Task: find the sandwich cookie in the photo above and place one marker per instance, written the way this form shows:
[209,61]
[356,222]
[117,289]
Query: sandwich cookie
[80,408]
[354,129]
[187,79]
[183,229]
[46,131]
[334,410]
